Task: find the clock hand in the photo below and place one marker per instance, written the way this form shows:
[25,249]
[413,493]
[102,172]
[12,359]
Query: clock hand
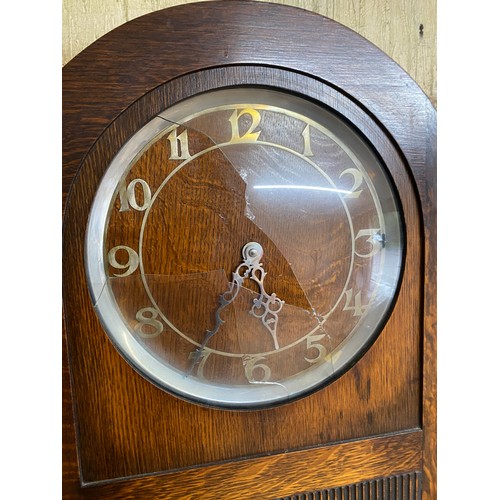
[266,307]
[224,300]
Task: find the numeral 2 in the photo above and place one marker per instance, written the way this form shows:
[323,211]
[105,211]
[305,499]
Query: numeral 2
[357,181]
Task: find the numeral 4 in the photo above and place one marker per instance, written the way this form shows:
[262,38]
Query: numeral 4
[358,307]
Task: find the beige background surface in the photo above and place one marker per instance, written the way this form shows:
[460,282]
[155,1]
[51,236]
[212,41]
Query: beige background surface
[403,29]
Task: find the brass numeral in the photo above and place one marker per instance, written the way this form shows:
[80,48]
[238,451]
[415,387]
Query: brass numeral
[131,264]
[179,146]
[250,135]
[374,238]
[357,181]
[147,318]
[201,359]
[306,135]
[252,366]
[311,343]
[128,198]
[358,306]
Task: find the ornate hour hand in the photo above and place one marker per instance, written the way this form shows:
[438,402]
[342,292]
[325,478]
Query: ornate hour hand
[266,307]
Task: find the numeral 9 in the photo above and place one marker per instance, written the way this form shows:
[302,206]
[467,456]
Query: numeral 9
[131,264]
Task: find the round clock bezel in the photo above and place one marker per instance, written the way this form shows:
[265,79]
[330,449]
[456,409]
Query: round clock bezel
[220,400]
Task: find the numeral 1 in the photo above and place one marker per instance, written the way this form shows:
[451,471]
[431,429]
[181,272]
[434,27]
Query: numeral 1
[306,134]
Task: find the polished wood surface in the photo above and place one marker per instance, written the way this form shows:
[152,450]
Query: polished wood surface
[275,476]
[127,427]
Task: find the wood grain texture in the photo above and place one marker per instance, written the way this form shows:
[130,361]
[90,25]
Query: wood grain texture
[314,469]
[429,379]
[101,86]
[406,31]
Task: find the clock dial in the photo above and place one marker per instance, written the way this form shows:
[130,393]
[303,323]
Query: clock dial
[244,248]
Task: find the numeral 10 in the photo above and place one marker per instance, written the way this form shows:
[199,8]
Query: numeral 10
[128,196]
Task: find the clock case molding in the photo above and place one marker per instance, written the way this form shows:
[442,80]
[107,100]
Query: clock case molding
[379,419]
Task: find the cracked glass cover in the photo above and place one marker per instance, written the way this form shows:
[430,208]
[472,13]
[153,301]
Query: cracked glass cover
[244,248]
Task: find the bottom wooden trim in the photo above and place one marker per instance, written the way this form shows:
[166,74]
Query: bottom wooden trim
[397,487]
[274,476]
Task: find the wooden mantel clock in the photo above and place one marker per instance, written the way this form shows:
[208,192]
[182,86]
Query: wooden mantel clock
[249,262]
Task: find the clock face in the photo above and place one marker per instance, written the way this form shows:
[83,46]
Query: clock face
[244,248]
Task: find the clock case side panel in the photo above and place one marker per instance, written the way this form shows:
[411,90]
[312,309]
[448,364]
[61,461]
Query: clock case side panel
[107,88]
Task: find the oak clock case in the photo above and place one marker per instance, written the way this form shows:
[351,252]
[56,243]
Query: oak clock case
[244,248]
[248,261]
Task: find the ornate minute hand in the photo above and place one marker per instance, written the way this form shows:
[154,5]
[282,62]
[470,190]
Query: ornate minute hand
[266,307]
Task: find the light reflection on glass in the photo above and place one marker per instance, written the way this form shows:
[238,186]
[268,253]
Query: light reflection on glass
[309,188]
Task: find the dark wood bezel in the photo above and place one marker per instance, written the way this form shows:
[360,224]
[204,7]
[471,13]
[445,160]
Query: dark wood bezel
[125,78]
